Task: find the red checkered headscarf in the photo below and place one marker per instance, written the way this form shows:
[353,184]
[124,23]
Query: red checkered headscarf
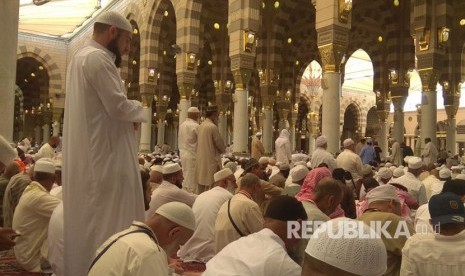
[312,178]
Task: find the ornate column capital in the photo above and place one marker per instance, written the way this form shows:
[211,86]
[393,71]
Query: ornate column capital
[185,80]
[429,79]
[147,99]
[242,77]
[399,103]
[331,56]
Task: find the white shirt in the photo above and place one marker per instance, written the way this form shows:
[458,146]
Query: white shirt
[168,192]
[434,254]
[320,155]
[436,188]
[187,139]
[283,148]
[56,241]
[429,182]
[201,246]
[136,254]
[422,217]
[415,187]
[46,151]
[31,219]
[351,162]
[261,253]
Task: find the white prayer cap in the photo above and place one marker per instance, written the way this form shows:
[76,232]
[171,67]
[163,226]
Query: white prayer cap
[171,168]
[398,172]
[321,141]
[231,165]
[258,134]
[445,173]
[298,173]
[388,165]
[392,168]
[223,174]
[44,165]
[415,162]
[7,153]
[348,142]
[300,163]
[193,109]
[382,193]
[385,173]
[354,254]
[179,213]
[157,168]
[460,176]
[263,160]
[407,158]
[113,18]
[284,166]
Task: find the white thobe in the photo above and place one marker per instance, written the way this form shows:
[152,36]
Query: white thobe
[201,246]
[415,187]
[283,148]
[102,188]
[429,154]
[168,192]
[351,162]
[56,241]
[433,254]
[136,254]
[320,155]
[429,182]
[396,154]
[422,220]
[187,144]
[31,219]
[261,253]
[46,151]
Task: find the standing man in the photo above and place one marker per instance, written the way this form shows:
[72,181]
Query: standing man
[257,147]
[209,149]
[283,148]
[349,160]
[396,153]
[99,126]
[429,153]
[321,155]
[367,154]
[187,145]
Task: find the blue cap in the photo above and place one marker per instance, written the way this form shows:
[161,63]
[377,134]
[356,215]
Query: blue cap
[446,208]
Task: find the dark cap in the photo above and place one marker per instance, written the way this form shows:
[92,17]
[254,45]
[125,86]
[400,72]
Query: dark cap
[285,208]
[212,108]
[446,208]
[250,164]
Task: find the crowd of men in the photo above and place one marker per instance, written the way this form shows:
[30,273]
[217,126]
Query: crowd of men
[123,213]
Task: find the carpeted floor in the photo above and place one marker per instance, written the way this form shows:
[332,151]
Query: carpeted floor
[9,266]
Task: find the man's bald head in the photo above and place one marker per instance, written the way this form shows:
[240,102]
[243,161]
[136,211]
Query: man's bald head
[12,169]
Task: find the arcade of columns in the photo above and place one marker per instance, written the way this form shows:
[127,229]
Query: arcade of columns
[248,57]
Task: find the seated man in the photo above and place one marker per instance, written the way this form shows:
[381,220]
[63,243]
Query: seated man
[170,189]
[298,174]
[279,179]
[442,253]
[241,215]
[265,252]
[329,254]
[143,248]
[32,216]
[201,247]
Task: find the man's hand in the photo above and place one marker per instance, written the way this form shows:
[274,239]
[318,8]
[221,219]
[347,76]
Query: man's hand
[7,236]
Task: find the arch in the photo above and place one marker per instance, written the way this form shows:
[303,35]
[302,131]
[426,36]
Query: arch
[358,72]
[55,78]
[372,125]
[18,114]
[351,127]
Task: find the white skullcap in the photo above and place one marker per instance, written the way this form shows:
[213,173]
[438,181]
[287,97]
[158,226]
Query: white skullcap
[263,160]
[284,166]
[321,141]
[407,158]
[356,255]
[460,176]
[445,173]
[388,165]
[171,168]
[454,168]
[300,163]
[193,109]
[157,168]
[179,213]
[414,162]
[381,193]
[348,142]
[231,165]
[113,18]
[223,174]
[385,173]
[258,134]
[298,173]
[398,172]
[7,153]
[45,165]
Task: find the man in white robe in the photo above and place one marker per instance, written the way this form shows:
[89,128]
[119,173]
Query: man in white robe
[396,154]
[48,149]
[429,153]
[101,183]
[210,146]
[187,144]
[321,155]
[350,161]
[283,148]
[201,246]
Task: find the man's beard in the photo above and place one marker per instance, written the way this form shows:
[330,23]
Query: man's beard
[113,47]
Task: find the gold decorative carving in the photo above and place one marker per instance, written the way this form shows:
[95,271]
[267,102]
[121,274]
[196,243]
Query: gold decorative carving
[331,56]
[147,100]
[241,77]
[185,90]
[429,79]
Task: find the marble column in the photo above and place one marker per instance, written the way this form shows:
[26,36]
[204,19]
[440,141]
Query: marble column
[183,106]
[161,132]
[37,135]
[451,140]
[331,111]
[9,17]
[428,116]
[146,131]
[267,135]
[223,125]
[46,132]
[241,121]
[56,128]
[383,139]
[398,132]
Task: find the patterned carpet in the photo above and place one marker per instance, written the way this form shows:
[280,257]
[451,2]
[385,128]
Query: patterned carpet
[9,266]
